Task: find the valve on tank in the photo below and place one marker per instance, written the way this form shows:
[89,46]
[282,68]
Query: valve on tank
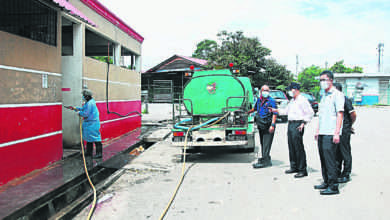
[237,118]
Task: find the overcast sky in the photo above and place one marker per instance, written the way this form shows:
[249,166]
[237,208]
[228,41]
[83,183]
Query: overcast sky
[317,31]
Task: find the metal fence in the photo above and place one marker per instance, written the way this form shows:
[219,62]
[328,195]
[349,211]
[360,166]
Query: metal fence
[384,92]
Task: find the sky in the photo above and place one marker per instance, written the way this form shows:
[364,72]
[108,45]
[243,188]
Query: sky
[318,31]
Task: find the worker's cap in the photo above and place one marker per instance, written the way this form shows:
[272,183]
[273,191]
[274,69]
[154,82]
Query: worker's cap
[294,85]
[87,92]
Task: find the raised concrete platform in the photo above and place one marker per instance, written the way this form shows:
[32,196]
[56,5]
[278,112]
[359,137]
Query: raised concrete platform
[42,193]
[157,135]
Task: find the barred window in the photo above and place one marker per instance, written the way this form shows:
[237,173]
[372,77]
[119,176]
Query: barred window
[29,18]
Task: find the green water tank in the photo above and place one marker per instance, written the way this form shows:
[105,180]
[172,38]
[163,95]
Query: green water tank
[209,91]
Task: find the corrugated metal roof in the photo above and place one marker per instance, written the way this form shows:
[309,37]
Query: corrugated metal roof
[195,60]
[174,58]
[73,11]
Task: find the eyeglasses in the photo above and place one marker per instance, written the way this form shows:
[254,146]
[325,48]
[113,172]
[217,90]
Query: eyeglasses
[323,80]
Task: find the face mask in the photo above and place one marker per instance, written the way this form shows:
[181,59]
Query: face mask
[265,94]
[324,85]
[290,93]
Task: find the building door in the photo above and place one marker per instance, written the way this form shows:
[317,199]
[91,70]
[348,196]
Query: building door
[384,91]
[162,91]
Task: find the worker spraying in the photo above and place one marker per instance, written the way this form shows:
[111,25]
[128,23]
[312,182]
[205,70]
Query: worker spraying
[91,124]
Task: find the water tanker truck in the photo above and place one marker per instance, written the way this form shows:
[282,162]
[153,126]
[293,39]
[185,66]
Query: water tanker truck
[213,109]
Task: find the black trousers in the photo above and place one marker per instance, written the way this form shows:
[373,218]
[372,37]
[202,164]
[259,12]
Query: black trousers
[328,156]
[344,155]
[296,148]
[266,139]
[99,148]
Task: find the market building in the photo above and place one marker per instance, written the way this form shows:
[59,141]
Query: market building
[48,51]
[169,77]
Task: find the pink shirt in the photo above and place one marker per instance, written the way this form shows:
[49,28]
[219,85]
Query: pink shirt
[298,109]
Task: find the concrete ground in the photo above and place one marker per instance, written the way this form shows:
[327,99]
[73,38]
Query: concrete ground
[225,186]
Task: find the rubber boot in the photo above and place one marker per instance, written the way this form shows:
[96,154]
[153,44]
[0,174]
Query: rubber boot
[88,153]
[99,150]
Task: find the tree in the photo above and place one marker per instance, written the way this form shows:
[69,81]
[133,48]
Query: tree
[339,67]
[309,79]
[249,56]
[204,49]
[277,75]
[357,69]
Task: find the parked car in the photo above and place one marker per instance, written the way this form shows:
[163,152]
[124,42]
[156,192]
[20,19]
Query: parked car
[312,100]
[281,101]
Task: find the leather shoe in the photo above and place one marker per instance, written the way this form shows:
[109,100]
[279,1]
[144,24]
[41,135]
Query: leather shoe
[321,186]
[262,165]
[260,160]
[300,174]
[290,171]
[330,191]
[343,179]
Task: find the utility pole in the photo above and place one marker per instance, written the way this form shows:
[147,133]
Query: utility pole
[380,56]
[326,65]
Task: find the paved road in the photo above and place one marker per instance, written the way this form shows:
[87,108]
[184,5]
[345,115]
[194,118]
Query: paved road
[226,187]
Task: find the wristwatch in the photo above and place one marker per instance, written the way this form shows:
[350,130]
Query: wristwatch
[273,124]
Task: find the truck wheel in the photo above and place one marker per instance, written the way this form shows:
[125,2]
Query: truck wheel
[251,143]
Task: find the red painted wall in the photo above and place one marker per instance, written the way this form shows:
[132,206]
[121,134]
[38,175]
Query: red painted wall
[113,125]
[18,123]
[24,122]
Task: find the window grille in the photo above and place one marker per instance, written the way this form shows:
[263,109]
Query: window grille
[30,19]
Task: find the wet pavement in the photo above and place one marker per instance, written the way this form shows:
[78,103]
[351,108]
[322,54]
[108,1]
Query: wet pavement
[226,186]
[38,185]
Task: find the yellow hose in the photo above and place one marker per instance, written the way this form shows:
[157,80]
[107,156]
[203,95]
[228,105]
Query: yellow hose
[86,172]
[184,166]
[181,178]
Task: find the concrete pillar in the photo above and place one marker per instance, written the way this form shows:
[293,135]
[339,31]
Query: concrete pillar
[138,63]
[117,54]
[72,82]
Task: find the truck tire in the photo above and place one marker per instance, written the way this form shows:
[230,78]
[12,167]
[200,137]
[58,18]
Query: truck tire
[251,143]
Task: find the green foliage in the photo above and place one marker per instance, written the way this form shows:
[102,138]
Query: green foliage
[103,59]
[204,49]
[309,79]
[357,69]
[145,111]
[130,68]
[248,55]
[276,75]
[339,67]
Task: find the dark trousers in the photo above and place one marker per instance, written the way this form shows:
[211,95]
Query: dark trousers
[344,155]
[266,139]
[296,149]
[328,156]
[98,145]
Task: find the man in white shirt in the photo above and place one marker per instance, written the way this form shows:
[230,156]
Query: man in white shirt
[299,113]
[330,122]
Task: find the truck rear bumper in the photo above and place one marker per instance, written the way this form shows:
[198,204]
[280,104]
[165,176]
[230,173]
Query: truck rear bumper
[211,143]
